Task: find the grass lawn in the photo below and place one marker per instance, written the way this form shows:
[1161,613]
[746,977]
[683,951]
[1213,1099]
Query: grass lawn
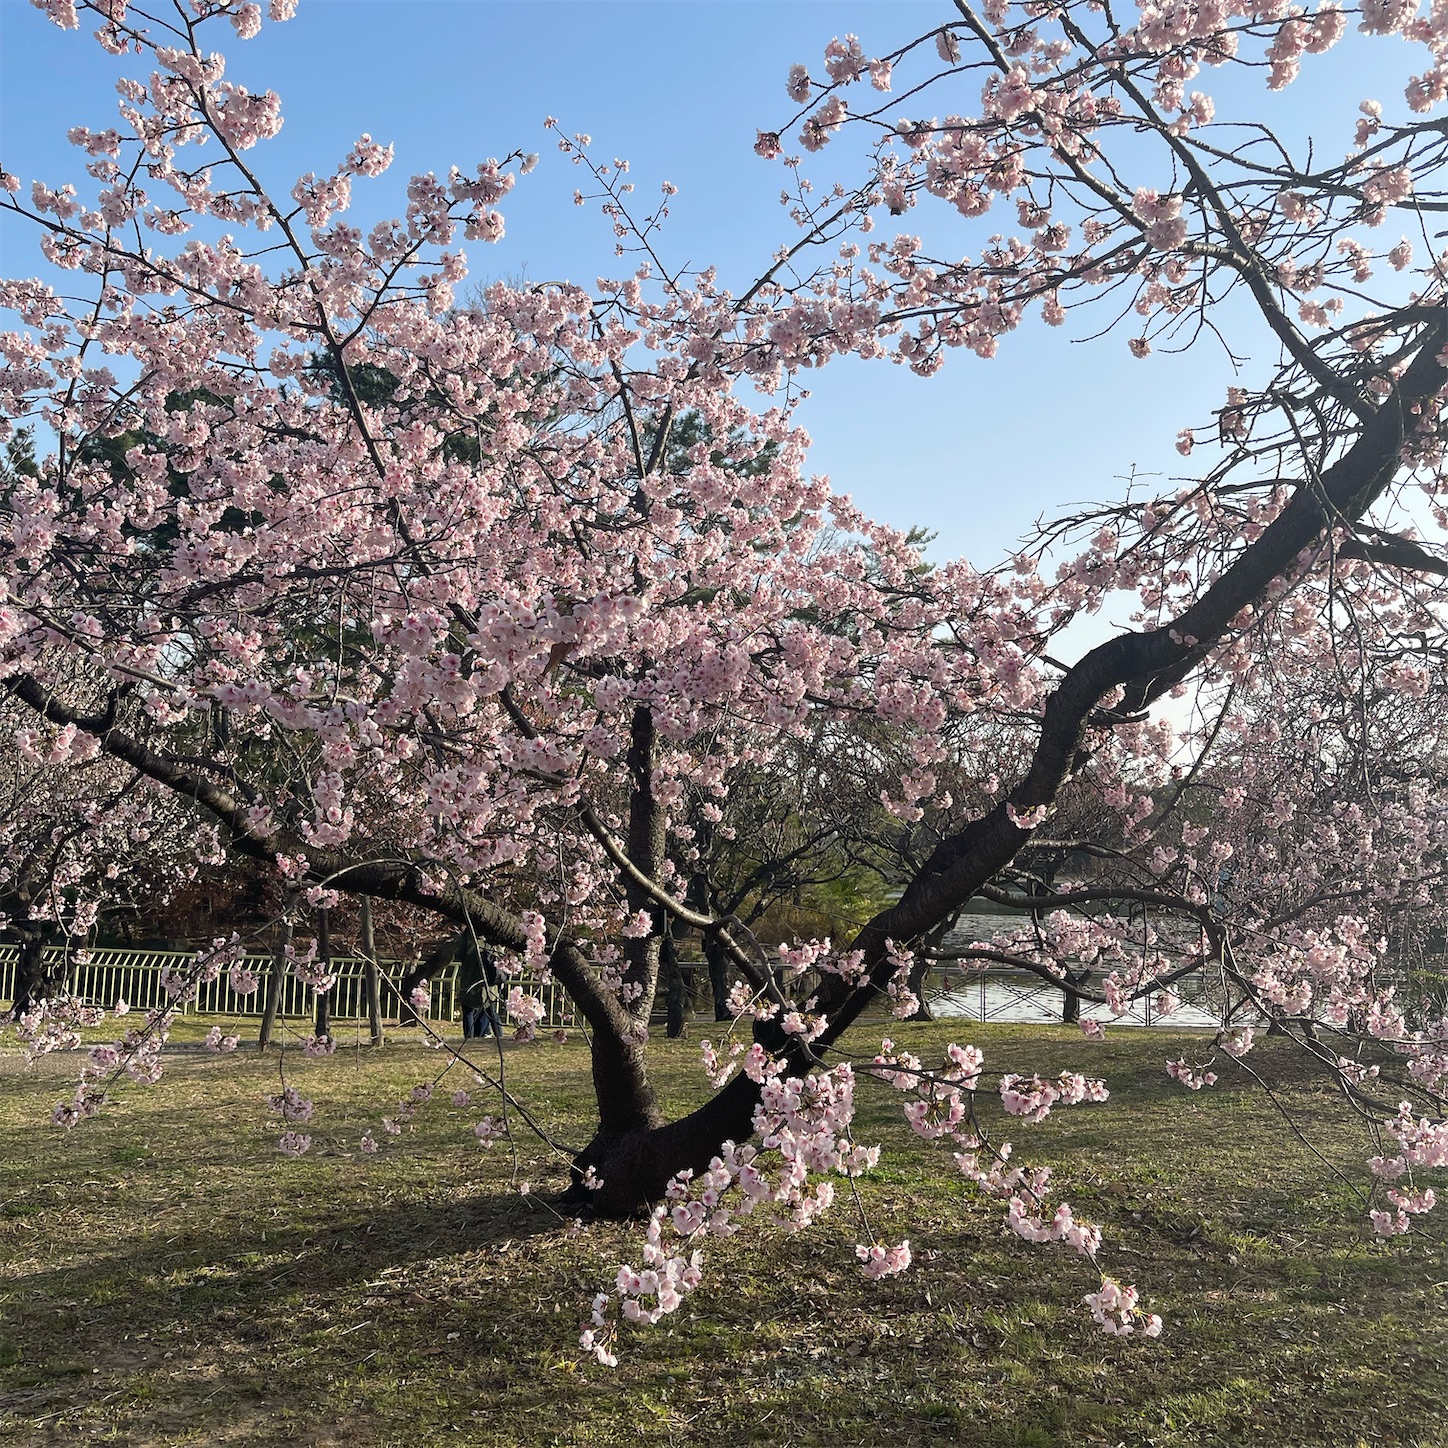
[167,1277]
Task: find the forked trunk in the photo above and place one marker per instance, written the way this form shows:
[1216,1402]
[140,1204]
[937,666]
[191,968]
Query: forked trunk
[635,1152]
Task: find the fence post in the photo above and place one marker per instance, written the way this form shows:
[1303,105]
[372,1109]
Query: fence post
[274,984]
[370,982]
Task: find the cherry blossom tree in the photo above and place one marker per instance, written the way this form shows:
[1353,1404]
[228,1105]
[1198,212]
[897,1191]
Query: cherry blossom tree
[486,609]
[73,840]
[81,835]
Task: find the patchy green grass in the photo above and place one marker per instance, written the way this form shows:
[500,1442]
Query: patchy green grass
[166,1277]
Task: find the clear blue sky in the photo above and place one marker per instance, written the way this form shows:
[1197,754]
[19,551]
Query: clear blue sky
[679,87]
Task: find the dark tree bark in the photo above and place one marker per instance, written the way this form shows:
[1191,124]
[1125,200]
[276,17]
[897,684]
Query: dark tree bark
[720,980]
[647,826]
[622,1149]
[925,963]
[371,983]
[1070,1001]
[716,958]
[422,972]
[676,997]
[322,1027]
[34,983]
[274,985]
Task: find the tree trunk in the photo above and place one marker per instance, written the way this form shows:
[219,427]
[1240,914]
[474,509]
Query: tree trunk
[274,985]
[919,972]
[1070,1001]
[647,822]
[924,964]
[322,1027]
[422,973]
[677,995]
[719,981]
[701,897]
[635,1152]
[33,983]
[370,982]
[624,1154]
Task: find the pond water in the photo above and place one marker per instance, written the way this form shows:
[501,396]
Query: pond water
[1018,996]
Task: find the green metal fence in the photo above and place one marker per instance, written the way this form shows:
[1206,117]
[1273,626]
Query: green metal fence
[103,977]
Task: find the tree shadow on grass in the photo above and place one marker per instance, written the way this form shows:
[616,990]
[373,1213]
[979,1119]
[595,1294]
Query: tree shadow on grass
[144,1341]
[218,1293]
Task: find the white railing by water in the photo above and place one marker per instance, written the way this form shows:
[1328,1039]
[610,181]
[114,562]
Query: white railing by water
[101,977]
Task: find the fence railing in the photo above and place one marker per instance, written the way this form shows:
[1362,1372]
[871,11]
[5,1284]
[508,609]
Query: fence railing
[1018,997]
[102,977]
